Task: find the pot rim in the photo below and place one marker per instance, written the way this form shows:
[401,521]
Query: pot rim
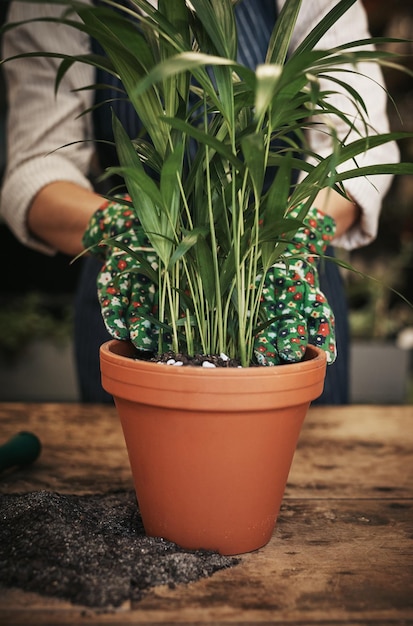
[120,353]
[210,388]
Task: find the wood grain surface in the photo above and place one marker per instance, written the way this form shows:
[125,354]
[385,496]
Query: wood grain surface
[341,552]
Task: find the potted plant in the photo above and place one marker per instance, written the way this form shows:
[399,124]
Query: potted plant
[210,448]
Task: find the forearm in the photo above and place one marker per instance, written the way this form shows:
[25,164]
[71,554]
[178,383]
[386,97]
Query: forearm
[39,122]
[59,215]
[345,212]
[367,81]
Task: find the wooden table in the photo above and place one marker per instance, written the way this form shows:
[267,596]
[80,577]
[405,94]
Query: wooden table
[341,553]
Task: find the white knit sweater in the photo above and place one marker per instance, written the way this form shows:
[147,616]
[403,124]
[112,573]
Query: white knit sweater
[40,122]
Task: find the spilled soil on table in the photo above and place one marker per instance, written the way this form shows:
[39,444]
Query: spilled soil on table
[91,550]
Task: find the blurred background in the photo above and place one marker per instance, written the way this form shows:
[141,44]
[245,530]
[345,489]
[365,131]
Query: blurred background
[36,360]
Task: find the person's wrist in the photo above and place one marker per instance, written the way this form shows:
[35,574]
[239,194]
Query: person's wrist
[343,209]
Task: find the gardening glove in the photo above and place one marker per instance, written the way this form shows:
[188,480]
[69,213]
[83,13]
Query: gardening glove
[125,299]
[292,296]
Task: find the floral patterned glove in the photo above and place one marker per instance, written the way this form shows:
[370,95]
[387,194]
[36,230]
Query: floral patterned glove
[124,300]
[292,295]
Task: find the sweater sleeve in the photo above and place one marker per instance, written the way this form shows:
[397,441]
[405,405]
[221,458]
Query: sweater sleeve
[367,80]
[46,132]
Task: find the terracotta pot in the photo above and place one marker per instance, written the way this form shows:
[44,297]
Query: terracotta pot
[210,449]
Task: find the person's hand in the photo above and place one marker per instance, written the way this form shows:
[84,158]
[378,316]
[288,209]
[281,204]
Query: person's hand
[293,300]
[126,296]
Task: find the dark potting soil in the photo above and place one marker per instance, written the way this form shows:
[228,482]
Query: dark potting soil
[197,360]
[91,550]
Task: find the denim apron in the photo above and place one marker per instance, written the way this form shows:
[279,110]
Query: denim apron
[255,20]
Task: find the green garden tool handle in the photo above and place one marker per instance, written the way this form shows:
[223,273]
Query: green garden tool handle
[22,449]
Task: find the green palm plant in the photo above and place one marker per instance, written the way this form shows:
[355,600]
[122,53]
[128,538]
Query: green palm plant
[213,130]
